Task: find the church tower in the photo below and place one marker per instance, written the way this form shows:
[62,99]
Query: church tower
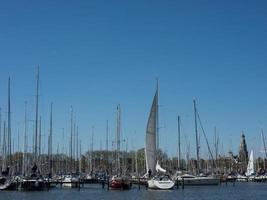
[243,154]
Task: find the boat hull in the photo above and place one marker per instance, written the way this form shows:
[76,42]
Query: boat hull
[120,185]
[9,185]
[160,185]
[32,185]
[70,182]
[199,181]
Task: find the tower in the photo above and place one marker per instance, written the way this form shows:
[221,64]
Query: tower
[243,154]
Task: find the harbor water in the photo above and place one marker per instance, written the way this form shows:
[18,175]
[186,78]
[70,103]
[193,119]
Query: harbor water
[241,191]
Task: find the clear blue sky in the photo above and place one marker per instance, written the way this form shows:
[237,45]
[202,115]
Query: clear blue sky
[94,55]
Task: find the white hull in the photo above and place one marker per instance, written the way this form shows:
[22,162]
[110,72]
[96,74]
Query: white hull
[241,178]
[70,182]
[160,184]
[70,185]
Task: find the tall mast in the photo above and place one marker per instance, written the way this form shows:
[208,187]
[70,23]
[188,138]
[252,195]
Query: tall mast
[118,135]
[4,164]
[36,116]
[25,140]
[107,144]
[50,140]
[77,149]
[216,145]
[63,152]
[71,129]
[1,139]
[40,136]
[157,115]
[74,146]
[80,163]
[9,126]
[92,149]
[179,144]
[197,138]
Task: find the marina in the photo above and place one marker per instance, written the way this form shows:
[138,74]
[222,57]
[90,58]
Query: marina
[133,100]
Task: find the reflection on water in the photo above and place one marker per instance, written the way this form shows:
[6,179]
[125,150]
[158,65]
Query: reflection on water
[255,191]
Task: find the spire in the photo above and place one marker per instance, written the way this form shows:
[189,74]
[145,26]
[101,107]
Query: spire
[243,153]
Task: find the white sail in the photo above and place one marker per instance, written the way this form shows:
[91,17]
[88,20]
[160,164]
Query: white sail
[150,146]
[159,168]
[250,168]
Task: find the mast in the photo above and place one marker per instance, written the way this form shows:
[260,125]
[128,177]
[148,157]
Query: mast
[197,138]
[50,141]
[80,160]
[36,116]
[40,136]
[107,145]
[1,140]
[77,150]
[157,115]
[25,140]
[9,127]
[179,144]
[118,135]
[92,150]
[62,154]
[4,163]
[216,145]
[71,129]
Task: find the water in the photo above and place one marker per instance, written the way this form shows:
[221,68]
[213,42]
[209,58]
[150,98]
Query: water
[241,191]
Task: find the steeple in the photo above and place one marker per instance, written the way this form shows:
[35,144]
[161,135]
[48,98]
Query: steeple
[243,154]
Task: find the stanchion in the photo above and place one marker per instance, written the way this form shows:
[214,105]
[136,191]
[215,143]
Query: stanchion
[48,184]
[103,184]
[79,185]
[182,183]
[177,183]
[17,185]
[108,184]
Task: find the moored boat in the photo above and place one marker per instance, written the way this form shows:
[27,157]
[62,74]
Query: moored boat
[157,179]
[32,184]
[188,179]
[120,183]
[162,182]
[70,181]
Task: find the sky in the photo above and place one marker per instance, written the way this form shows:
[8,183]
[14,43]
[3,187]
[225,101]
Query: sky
[94,55]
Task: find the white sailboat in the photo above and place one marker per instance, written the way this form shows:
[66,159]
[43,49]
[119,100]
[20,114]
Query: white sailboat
[250,168]
[159,180]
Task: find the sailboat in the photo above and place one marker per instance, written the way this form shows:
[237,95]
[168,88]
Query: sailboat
[199,179]
[157,178]
[119,180]
[35,181]
[250,168]
[7,182]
